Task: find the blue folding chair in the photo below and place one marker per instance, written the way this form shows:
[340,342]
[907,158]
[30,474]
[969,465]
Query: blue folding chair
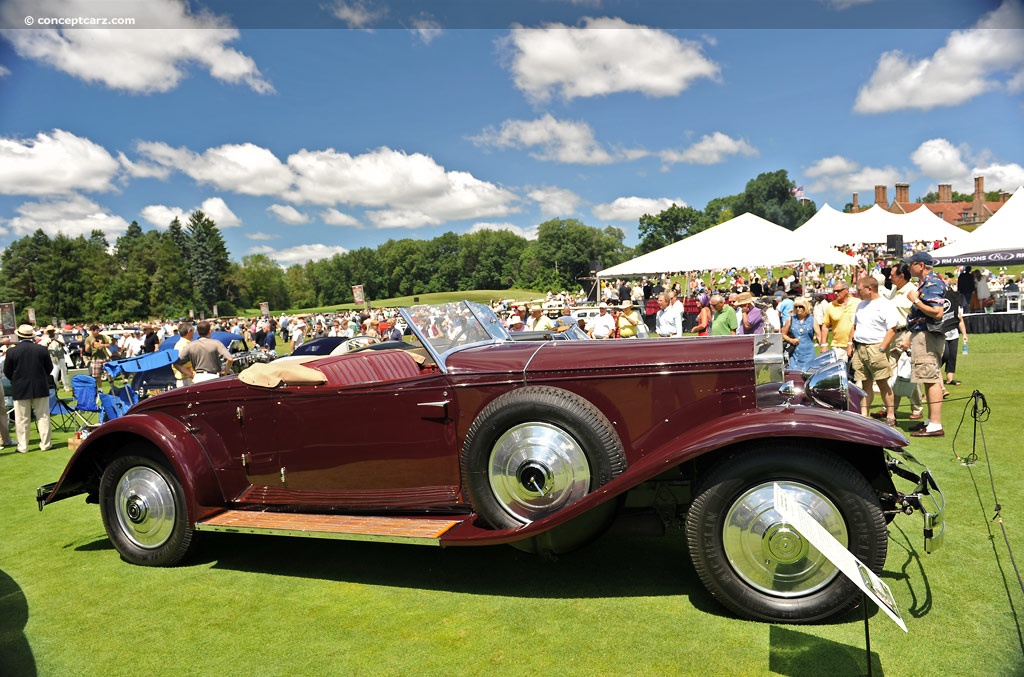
[84,388]
[112,407]
[62,415]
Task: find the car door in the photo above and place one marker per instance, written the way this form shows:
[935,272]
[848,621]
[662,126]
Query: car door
[387,444]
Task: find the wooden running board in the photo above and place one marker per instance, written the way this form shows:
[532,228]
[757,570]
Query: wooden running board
[421,530]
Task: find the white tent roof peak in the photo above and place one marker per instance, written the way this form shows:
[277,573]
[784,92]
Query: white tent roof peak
[746,241]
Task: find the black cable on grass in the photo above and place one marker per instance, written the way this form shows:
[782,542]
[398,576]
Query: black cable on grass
[980,412]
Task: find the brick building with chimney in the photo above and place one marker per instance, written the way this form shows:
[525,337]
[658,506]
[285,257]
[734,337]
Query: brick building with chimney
[967,215]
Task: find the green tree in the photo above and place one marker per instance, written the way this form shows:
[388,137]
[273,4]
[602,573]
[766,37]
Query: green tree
[770,196]
[671,225]
[264,280]
[300,289]
[560,257]
[207,259]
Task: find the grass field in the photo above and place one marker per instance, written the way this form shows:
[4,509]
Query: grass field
[273,606]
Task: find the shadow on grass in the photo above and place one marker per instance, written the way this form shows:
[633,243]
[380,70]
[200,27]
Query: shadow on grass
[610,567]
[995,552]
[798,654]
[920,604]
[15,653]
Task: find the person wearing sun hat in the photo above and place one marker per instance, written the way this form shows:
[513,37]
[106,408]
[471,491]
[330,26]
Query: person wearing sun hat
[27,367]
[750,319]
[629,320]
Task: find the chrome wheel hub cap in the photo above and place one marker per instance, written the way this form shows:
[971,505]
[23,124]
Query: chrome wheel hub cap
[536,469]
[768,553]
[145,507]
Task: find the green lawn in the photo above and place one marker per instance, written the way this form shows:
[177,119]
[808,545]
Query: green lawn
[272,606]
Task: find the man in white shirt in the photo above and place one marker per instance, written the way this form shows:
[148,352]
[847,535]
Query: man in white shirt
[667,322]
[602,325]
[874,327]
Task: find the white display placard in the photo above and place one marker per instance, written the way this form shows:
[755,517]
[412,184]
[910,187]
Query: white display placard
[827,545]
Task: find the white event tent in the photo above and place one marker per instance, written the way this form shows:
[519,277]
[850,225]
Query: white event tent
[746,241]
[834,228]
[998,241]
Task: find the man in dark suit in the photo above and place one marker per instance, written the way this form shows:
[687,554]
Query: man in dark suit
[28,366]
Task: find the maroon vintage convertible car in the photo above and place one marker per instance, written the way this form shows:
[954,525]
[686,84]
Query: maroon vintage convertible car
[465,437]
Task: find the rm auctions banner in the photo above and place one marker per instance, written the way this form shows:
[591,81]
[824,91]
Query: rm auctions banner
[357,294]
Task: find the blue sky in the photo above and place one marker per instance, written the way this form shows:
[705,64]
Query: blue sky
[411,119]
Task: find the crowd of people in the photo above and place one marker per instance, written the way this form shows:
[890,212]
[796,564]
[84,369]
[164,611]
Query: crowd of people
[897,335]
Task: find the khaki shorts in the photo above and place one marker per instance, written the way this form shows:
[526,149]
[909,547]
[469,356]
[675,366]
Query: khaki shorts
[925,356]
[870,363]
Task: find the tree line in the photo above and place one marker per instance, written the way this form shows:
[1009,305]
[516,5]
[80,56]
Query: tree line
[151,274]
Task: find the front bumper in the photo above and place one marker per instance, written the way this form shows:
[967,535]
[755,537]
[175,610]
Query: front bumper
[925,497]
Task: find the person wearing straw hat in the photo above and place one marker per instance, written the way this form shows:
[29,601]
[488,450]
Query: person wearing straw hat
[629,320]
[27,367]
[750,320]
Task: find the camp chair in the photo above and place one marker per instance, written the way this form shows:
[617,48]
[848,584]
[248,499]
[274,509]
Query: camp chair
[62,415]
[112,407]
[8,410]
[128,377]
[84,388]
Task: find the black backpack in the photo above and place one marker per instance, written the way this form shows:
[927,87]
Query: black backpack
[950,313]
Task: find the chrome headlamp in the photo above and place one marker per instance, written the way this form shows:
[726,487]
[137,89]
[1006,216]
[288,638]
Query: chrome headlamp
[829,386]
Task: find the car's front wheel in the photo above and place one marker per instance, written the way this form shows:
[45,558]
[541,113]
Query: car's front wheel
[758,565]
[144,513]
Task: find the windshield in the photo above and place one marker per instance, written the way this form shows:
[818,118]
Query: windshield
[446,327]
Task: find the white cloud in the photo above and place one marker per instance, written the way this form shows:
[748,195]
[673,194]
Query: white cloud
[332,217]
[835,164]
[528,233]
[603,56]
[241,168]
[712,149]
[972,62]
[632,208]
[411,190]
[261,236]
[299,254]
[4,71]
[556,140]
[218,210]
[941,160]
[555,201]
[845,4]
[136,60]
[288,214]
[840,176]
[214,207]
[426,30]
[358,14]
[143,170]
[73,216]
[1006,177]
[162,215]
[55,163]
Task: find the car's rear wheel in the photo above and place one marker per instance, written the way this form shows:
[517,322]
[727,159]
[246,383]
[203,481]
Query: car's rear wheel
[758,565]
[535,450]
[144,513]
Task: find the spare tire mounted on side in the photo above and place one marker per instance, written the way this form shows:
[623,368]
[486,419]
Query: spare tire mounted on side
[535,450]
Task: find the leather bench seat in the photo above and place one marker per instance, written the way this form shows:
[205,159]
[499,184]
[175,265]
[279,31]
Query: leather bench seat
[371,366]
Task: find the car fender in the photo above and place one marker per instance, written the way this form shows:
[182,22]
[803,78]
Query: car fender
[168,435]
[774,422]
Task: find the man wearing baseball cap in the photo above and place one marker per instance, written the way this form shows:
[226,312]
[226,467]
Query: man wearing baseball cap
[926,339]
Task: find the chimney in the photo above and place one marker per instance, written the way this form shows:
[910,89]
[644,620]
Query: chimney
[880,197]
[979,188]
[856,202]
[903,192]
[945,192]
[1004,196]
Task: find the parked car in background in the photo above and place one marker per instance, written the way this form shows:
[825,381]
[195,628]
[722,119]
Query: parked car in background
[538,444]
